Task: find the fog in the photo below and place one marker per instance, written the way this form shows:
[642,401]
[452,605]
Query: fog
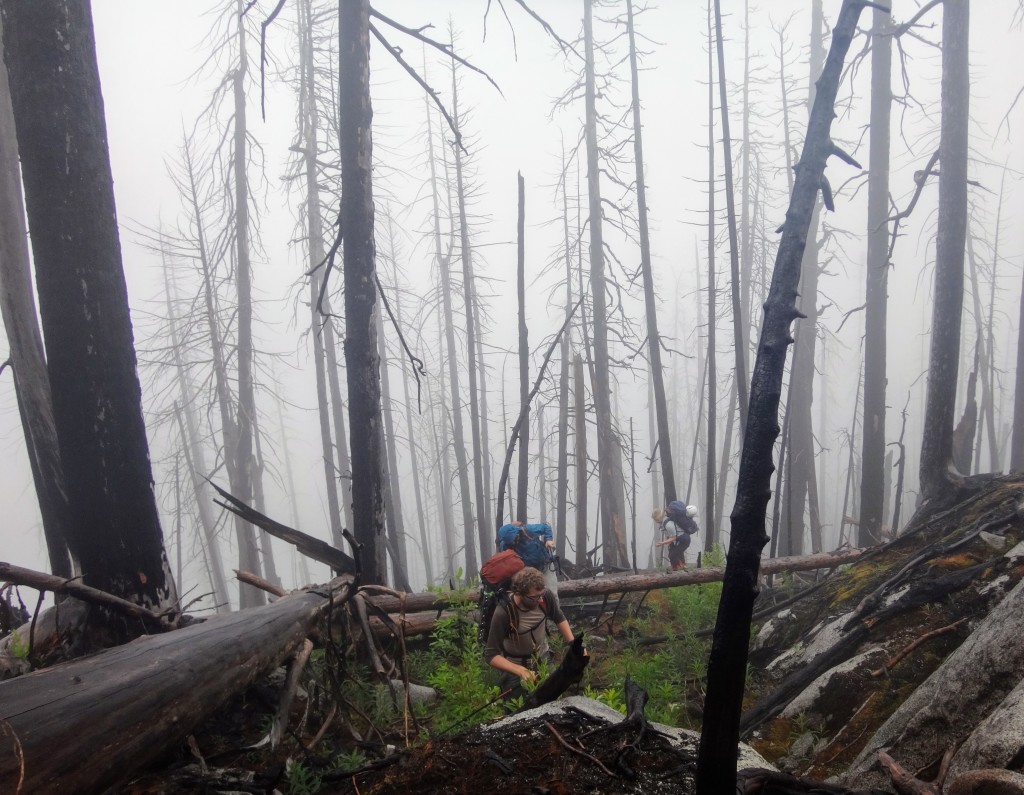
[158,79]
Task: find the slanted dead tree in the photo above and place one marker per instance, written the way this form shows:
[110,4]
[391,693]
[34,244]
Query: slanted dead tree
[716,766]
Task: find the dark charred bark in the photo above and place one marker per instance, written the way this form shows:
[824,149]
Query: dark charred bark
[31,381]
[716,770]
[83,300]
[362,364]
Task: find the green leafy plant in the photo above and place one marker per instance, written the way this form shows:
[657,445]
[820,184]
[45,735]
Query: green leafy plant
[609,696]
[353,760]
[300,780]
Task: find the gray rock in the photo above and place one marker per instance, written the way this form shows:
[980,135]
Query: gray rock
[685,738]
[997,739]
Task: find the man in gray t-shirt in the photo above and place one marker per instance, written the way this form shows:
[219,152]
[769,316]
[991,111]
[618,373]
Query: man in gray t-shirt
[517,638]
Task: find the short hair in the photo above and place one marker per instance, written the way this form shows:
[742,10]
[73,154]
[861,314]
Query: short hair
[526,580]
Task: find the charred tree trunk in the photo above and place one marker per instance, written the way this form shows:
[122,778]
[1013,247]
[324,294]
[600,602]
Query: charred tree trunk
[477,419]
[83,300]
[710,539]
[562,486]
[361,362]
[523,478]
[944,354]
[581,463]
[245,461]
[716,767]
[664,438]
[609,452]
[319,326]
[31,381]
[801,379]
[872,494]
[739,322]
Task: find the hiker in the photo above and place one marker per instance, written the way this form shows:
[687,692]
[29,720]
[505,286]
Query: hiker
[517,639]
[535,545]
[677,523]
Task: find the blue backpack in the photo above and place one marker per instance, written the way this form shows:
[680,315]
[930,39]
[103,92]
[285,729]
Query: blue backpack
[528,541]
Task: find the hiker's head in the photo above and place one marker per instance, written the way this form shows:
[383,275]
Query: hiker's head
[528,584]
[658,515]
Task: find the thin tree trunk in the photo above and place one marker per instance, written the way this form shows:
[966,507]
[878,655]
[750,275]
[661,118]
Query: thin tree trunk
[725,460]
[710,538]
[562,484]
[522,498]
[392,481]
[609,452]
[425,546]
[315,247]
[243,487]
[947,307]
[990,413]
[480,471]
[193,450]
[727,665]
[361,362]
[801,442]
[739,321]
[664,439]
[442,444]
[876,302]
[581,463]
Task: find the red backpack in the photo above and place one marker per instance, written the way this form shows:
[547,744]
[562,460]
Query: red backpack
[499,568]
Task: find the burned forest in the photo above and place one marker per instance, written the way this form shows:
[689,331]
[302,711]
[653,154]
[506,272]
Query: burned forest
[469,395]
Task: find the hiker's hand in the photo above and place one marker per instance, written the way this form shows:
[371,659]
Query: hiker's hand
[549,544]
[526,674]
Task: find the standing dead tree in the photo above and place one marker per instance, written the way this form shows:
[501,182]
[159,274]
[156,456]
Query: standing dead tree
[115,530]
[716,766]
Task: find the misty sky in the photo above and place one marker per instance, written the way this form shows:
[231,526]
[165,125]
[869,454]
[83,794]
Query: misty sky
[151,55]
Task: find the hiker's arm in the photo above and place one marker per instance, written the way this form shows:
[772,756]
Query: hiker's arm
[565,630]
[502,663]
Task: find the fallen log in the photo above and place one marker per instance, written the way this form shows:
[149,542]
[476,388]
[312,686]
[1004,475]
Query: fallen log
[648,581]
[86,725]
